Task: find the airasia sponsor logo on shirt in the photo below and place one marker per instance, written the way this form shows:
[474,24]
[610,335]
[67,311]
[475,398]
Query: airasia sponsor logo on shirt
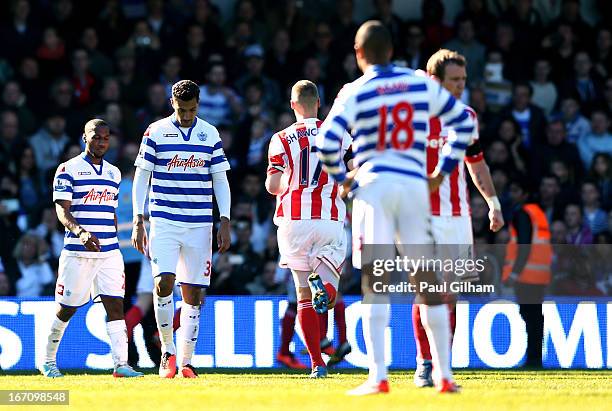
[94,196]
[185,163]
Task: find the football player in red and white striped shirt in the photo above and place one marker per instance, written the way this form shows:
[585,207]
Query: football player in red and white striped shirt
[310,216]
[451,220]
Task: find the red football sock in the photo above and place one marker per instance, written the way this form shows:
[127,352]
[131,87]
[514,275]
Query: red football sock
[309,323]
[420,336]
[132,319]
[176,321]
[323,324]
[331,292]
[340,321]
[453,319]
[287,328]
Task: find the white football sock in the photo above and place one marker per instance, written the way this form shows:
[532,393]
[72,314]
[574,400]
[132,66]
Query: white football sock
[190,326]
[164,313]
[436,322]
[55,337]
[117,331]
[375,319]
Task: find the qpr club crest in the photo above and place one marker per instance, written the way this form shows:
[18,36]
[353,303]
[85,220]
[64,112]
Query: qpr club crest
[202,136]
[111,174]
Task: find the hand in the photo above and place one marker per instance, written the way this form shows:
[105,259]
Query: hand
[496,220]
[223,235]
[511,279]
[434,181]
[90,241]
[139,238]
[345,187]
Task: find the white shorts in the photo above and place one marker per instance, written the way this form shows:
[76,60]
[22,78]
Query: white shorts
[80,278]
[183,251]
[452,229]
[391,210]
[304,244]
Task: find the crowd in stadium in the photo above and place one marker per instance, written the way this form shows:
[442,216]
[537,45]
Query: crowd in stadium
[539,79]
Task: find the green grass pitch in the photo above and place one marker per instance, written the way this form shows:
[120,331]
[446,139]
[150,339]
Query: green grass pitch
[285,390]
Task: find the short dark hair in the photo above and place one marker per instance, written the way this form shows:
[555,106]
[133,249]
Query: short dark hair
[436,65]
[375,40]
[185,90]
[523,84]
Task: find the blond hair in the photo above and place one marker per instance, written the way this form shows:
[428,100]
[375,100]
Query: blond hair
[305,93]
[436,65]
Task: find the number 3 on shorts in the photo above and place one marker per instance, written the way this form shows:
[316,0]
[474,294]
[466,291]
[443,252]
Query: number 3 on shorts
[207,272]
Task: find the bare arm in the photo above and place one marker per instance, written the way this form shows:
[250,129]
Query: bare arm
[274,183]
[479,171]
[62,208]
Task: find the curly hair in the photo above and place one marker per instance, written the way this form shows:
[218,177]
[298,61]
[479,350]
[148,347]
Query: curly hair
[185,90]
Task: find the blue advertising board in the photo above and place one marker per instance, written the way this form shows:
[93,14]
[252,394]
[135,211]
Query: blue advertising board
[245,332]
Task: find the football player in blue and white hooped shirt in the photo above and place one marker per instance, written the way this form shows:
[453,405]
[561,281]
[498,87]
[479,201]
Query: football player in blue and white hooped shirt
[183,159]
[387,110]
[85,192]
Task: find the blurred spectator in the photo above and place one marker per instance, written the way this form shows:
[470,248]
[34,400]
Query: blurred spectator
[36,278]
[33,85]
[601,174]
[30,182]
[466,44]
[133,85]
[343,25]
[205,16]
[280,61]
[260,208]
[607,103]
[100,65]
[52,232]
[231,153]
[509,133]
[558,232]
[556,148]
[265,283]
[412,52]
[529,117]
[110,96]
[246,13]
[527,23]
[19,31]
[580,280]
[603,52]
[477,11]
[560,46]
[292,18]
[599,140]
[82,79]
[578,233]
[576,124]
[544,91]
[240,264]
[585,84]
[14,99]
[159,24]
[513,53]
[594,216]
[51,53]
[10,140]
[436,31]
[254,55]
[384,13]
[65,19]
[112,22]
[549,200]
[567,183]
[321,49]
[259,138]
[158,107]
[195,55]
[170,71]
[570,15]
[147,47]
[218,103]
[498,90]
[61,99]
[49,142]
